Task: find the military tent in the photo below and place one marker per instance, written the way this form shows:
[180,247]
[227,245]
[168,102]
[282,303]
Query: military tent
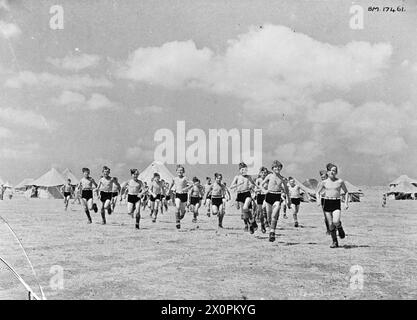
[50,185]
[156,166]
[306,190]
[403,178]
[354,192]
[403,190]
[67,174]
[23,185]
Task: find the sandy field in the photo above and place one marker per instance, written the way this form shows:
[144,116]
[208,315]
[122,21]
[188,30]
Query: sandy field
[376,260]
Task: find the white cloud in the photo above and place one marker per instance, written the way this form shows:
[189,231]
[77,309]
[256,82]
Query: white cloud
[4,4]
[21,151]
[142,150]
[9,30]
[302,152]
[263,66]
[75,82]
[27,118]
[77,101]
[75,62]
[5,133]
[173,65]
[148,110]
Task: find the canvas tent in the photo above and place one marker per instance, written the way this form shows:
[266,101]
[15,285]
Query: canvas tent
[24,184]
[8,185]
[67,174]
[404,190]
[156,166]
[311,192]
[402,178]
[354,192]
[311,183]
[50,185]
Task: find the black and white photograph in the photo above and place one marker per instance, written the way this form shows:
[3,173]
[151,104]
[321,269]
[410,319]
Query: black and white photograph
[208,150]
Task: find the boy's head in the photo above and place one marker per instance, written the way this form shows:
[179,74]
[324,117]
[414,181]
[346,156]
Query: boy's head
[331,169]
[243,168]
[69,181]
[276,166]
[156,176]
[323,174]
[106,170]
[291,181]
[134,172]
[86,172]
[263,172]
[180,170]
[195,180]
[218,177]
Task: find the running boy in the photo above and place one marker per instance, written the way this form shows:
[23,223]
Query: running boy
[104,188]
[275,183]
[181,185]
[332,187]
[68,191]
[133,188]
[86,188]
[156,191]
[244,183]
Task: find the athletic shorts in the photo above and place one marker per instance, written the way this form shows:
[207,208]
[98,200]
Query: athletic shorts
[114,194]
[260,199]
[104,196]
[158,197]
[322,202]
[295,201]
[241,197]
[195,200]
[182,196]
[331,205]
[132,198]
[87,194]
[271,198]
[67,194]
[216,201]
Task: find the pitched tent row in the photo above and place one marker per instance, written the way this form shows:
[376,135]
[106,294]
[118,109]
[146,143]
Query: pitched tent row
[403,187]
[51,182]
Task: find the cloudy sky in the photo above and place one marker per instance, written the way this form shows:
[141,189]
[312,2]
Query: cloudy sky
[95,92]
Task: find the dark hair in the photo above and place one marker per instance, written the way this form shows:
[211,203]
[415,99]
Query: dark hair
[242,165]
[330,166]
[195,179]
[289,178]
[276,163]
[132,171]
[208,178]
[106,168]
[85,170]
[322,172]
[216,175]
[156,174]
[180,166]
[69,180]
[263,169]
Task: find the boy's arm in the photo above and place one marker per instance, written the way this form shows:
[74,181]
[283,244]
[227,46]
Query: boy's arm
[318,192]
[343,185]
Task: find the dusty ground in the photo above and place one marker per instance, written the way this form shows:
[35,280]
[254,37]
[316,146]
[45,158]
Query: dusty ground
[158,262]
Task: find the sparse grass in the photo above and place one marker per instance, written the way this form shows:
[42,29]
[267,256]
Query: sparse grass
[158,262]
